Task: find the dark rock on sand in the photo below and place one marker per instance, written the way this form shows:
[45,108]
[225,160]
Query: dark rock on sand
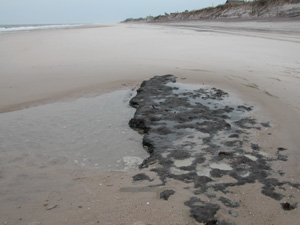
[233,213]
[166,194]
[255,147]
[270,186]
[288,206]
[266,124]
[282,157]
[229,203]
[141,177]
[244,108]
[234,136]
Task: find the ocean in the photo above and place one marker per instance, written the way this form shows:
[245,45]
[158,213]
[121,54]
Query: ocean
[22,27]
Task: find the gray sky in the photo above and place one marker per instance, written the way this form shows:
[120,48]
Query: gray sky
[91,11]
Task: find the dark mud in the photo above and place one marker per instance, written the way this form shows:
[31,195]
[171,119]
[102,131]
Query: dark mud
[199,136]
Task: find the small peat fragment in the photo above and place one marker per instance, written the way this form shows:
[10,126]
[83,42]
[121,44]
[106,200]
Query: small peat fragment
[244,108]
[225,154]
[233,213]
[255,147]
[266,124]
[227,202]
[211,222]
[234,136]
[288,206]
[166,194]
[141,177]
[51,207]
[272,194]
[282,157]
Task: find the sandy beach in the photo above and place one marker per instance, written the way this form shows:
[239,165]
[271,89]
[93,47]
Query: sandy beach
[67,154]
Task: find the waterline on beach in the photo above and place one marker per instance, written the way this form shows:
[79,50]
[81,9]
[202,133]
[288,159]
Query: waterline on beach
[22,27]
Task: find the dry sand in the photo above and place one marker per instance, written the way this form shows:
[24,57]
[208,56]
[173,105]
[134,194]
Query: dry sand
[260,64]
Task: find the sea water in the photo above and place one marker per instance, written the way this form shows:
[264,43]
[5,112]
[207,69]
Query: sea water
[24,27]
[87,132]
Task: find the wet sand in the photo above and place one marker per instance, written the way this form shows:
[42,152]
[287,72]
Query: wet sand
[41,67]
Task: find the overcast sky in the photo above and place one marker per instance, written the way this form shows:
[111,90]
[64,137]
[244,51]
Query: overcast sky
[91,11]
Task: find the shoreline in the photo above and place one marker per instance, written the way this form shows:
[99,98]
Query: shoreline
[11,28]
